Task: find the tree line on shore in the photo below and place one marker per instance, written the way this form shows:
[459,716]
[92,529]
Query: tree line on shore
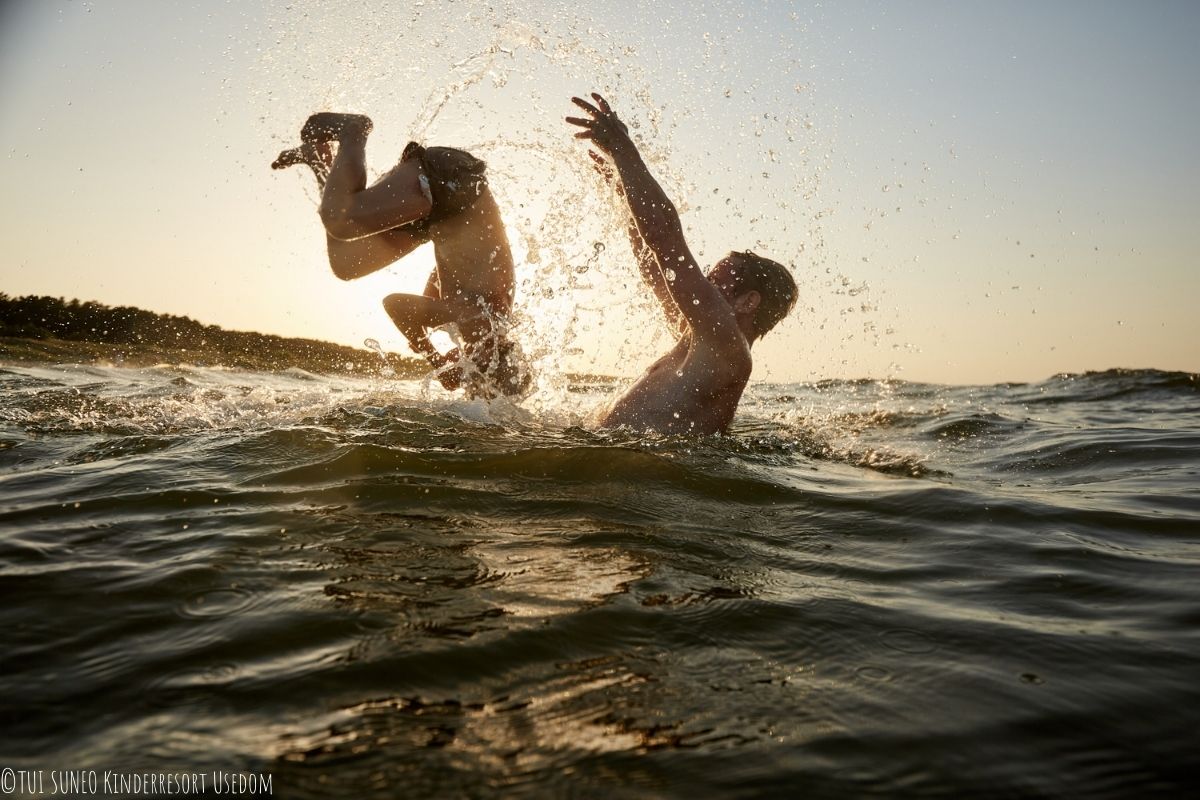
[135,329]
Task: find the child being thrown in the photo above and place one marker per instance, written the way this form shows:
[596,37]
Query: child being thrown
[436,194]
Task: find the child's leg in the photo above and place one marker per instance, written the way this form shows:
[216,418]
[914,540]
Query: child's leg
[433,286]
[494,371]
[352,259]
[415,314]
[349,208]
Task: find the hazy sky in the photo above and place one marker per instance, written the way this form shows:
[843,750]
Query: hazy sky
[967,192]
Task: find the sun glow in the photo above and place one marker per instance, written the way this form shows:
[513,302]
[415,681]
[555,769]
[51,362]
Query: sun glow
[360,301]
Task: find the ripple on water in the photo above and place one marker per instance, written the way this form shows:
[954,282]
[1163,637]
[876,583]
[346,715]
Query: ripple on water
[906,640]
[216,602]
[190,685]
[872,673]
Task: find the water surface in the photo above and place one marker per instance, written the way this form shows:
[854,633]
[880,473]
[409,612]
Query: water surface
[868,589]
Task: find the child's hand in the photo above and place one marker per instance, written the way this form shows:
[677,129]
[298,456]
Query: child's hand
[605,129]
[448,371]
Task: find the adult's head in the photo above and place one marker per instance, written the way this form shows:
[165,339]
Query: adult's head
[759,289]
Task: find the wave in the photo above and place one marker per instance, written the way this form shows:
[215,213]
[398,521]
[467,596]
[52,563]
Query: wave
[356,580]
[1090,387]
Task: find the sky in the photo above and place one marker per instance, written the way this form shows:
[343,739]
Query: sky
[966,192]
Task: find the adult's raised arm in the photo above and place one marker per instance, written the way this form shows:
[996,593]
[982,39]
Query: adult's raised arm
[647,263]
[696,299]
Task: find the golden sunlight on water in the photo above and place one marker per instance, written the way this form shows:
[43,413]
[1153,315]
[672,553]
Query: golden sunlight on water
[537,581]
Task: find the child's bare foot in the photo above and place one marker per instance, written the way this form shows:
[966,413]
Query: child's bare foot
[313,154]
[288,158]
[325,126]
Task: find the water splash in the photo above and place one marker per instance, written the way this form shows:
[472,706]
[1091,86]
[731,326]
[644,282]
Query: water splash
[731,119]
[373,344]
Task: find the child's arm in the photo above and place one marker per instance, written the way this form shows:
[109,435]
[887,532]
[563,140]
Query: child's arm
[414,316]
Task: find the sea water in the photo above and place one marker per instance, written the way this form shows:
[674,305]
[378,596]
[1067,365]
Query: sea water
[363,588]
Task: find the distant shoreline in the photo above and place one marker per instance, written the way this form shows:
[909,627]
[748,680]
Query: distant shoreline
[28,351]
[40,330]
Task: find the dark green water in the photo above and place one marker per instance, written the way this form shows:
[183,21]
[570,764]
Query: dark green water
[867,590]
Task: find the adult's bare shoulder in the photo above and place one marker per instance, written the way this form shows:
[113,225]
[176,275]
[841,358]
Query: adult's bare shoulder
[719,348]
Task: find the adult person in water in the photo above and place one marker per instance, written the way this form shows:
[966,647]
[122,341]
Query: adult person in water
[436,194]
[695,387]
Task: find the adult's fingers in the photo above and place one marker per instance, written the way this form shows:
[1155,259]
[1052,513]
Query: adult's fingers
[585,105]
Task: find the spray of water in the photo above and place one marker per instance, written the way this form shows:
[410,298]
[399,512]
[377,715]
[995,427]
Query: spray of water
[726,110]
[373,344]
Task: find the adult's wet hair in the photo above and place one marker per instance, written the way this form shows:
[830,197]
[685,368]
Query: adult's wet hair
[772,281]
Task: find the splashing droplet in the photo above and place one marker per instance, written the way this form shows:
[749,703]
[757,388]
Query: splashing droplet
[373,344]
